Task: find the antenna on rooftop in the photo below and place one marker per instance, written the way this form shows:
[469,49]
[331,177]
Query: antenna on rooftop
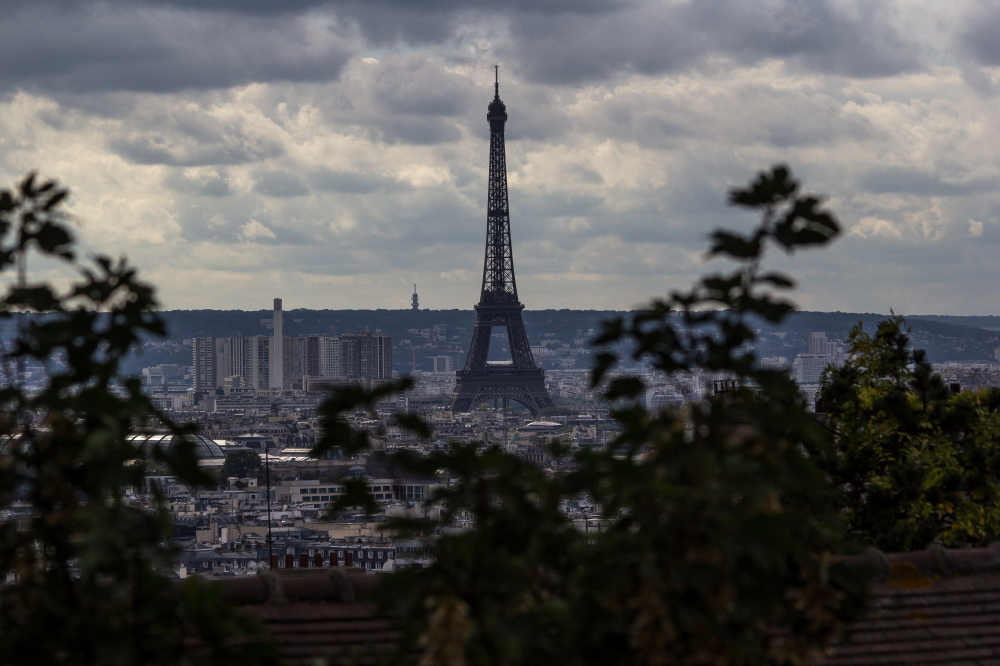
[496,83]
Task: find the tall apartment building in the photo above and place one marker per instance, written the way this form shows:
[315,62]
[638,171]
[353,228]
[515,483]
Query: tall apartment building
[203,363]
[291,366]
[808,368]
[319,355]
[366,355]
[216,359]
[819,344]
[328,357]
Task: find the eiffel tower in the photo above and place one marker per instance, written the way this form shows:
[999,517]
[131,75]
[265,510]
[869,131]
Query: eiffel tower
[518,379]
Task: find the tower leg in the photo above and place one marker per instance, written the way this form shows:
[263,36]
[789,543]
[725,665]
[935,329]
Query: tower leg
[479,350]
[520,348]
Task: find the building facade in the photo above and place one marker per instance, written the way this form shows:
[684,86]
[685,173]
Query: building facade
[248,362]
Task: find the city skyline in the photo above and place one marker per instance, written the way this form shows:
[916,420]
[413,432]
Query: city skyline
[335,156]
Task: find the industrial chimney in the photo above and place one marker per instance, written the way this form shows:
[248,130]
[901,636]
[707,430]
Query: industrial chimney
[277,351]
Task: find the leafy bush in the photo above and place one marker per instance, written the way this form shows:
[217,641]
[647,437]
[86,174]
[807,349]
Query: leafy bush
[919,464]
[242,465]
[85,571]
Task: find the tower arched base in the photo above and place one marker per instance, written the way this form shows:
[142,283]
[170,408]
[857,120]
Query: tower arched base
[525,386]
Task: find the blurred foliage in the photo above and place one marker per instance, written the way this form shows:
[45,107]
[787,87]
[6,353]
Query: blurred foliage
[719,530]
[919,464]
[84,571]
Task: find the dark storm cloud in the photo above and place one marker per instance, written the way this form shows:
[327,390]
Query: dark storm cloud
[418,100]
[106,47]
[739,113]
[384,22]
[569,42]
[84,46]
[417,131]
[417,85]
[654,37]
[413,100]
[979,34]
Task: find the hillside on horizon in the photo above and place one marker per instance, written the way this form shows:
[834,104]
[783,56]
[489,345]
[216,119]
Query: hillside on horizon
[420,334]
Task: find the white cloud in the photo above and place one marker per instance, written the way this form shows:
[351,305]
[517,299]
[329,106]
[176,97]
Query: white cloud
[254,230]
[873,227]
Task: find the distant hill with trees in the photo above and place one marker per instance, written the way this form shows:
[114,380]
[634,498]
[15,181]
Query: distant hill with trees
[945,338]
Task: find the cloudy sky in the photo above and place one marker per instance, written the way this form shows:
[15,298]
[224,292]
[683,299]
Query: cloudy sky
[335,153]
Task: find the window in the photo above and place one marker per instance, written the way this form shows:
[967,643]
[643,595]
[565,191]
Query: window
[368,565]
[380,554]
[326,498]
[370,554]
[340,554]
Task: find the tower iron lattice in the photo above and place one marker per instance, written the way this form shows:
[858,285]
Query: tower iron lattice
[519,379]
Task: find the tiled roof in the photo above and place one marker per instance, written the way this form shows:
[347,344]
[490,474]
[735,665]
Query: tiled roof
[932,607]
[314,612]
[937,606]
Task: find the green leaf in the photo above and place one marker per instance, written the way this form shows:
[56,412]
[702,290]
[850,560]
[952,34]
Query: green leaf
[777,279]
[624,387]
[724,242]
[52,238]
[604,361]
[414,424]
[768,189]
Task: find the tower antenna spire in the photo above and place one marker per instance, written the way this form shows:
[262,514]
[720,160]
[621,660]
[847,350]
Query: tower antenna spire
[496,83]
